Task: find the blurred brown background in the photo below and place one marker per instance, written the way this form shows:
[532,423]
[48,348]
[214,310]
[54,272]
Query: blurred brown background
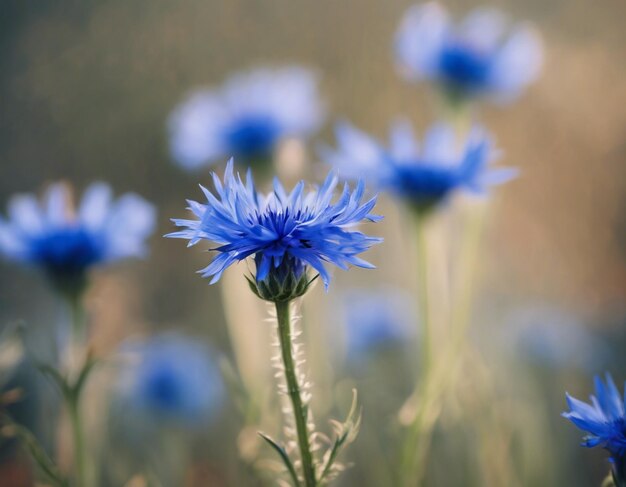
[85,88]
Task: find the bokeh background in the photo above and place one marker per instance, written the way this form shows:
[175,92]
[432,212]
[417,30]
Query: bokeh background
[85,90]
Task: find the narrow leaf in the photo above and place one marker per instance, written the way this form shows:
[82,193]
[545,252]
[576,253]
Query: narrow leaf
[57,378]
[285,458]
[45,464]
[345,433]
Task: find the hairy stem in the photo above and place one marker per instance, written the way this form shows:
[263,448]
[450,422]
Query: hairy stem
[293,389]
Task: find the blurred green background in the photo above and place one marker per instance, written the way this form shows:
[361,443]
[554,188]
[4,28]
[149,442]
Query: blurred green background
[86,87]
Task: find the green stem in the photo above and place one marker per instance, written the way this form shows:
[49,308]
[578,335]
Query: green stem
[415,443]
[73,399]
[423,298]
[78,440]
[78,321]
[293,388]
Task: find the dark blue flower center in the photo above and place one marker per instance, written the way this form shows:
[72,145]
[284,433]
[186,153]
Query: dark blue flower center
[67,251]
[163,390]
[284,225]
[253,137]
[464,67]
[424,184]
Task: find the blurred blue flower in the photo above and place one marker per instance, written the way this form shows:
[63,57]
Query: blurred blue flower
[246,117]
[423,177]
[555,338]
[65,241]
[285,233]
[605,421]
[174,379]
[375,320]
[481,56]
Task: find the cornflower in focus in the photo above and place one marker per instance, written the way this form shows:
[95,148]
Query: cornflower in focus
[482,56]
[66,242]
[247,117]
[423,177]
[172,380]
[285,233]
[604,419]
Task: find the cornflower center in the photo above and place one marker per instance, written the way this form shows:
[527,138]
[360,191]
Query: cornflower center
[66,251]
[253,136]
[463,66]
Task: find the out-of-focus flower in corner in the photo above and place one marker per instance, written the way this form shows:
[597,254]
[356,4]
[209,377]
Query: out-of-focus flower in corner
[375,320]
[246,118]
[286,233]
[422,177]
[604,419]
[482,56]
[66,241]
[171,379]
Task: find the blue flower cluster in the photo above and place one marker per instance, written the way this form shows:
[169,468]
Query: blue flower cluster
[286,233]
[65,241]
[246,118]
[605,421]
[478,57]
[422,176]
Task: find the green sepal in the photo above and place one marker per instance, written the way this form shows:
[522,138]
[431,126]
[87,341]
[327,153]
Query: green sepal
[276,291]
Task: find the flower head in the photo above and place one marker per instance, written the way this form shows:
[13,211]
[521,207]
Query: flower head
[605,421]
[65,241]
[285,233]
[247,117]
[423,177]
[477,57]
[173,379]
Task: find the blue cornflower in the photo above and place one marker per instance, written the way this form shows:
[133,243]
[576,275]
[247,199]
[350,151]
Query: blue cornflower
[286,233]
[66,242]
[478,57]
[174,379]
[247,117]
[423,177]
[375,320]
[605,421]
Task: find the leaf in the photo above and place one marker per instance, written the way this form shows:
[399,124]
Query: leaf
[57,378]
[285,458]
[82,377]
[345,433]
[46,465]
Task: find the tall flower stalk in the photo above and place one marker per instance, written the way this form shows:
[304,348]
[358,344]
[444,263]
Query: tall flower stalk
[291,237]
[416,436]
[423,175]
